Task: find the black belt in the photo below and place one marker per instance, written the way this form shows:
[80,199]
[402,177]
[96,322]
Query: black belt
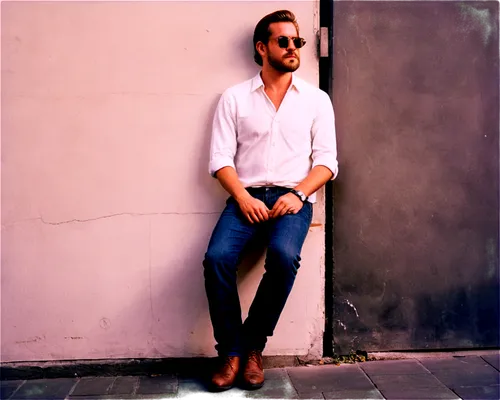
[264,188]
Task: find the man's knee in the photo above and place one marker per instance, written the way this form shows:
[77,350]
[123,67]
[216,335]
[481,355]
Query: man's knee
[218,259]
[283,260]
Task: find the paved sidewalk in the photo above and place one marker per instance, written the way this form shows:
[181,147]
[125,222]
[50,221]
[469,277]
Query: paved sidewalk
[421,377]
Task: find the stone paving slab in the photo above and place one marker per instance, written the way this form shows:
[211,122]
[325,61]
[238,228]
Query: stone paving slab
[439,364]
[454,378]
[398,367]
[7,388]
[107,397]
[312,396]
[389,382]
[317,379]
[458,372]
[124,385]
[189,385]
[92,386]
[479,392]
[195,388]
[46,389]
[373,394]
[276,386]
[493,360]
[127,397]
[421,393]
[164,384]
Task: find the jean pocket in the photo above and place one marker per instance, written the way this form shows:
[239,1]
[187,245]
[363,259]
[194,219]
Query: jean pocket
[309,210]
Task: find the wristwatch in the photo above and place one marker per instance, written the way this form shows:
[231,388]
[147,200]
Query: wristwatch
[299,194]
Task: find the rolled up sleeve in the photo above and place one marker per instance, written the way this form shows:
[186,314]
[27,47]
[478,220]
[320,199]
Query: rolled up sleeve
[223,141]
[324,140]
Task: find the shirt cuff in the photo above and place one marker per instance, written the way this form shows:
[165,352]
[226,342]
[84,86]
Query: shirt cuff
[328,162]
[220,162]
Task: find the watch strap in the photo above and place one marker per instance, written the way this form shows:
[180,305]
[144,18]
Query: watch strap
[299,195]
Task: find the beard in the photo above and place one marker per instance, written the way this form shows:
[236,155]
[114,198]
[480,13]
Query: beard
[284,64]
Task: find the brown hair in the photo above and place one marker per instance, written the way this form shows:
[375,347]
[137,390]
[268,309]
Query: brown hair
[262,33]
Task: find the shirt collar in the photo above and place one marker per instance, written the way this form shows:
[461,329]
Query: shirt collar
[257,82]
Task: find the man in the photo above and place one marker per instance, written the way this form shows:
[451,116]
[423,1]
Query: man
[273,146]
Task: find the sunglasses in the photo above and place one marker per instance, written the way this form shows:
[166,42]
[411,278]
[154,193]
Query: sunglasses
[283,41]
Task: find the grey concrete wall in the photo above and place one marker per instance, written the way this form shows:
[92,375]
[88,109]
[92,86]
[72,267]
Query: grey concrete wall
[416,93]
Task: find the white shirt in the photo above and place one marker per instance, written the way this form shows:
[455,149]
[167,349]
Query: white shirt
[273,148]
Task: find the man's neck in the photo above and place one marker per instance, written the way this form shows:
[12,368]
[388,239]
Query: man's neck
[275,81]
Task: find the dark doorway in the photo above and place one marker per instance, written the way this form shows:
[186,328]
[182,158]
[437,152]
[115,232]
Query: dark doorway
[413,247]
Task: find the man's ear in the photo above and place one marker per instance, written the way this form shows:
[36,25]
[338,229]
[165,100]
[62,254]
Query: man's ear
[261,49]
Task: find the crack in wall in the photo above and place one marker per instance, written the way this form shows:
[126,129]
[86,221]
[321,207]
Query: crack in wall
[90,95]
[76,220]
[153,318]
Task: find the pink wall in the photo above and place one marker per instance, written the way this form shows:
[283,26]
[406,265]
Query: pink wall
[107,205]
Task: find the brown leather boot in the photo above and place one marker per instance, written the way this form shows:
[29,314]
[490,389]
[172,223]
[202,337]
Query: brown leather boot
[225,376]
[253,375]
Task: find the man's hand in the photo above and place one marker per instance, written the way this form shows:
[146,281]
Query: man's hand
[286,204]
[253,209]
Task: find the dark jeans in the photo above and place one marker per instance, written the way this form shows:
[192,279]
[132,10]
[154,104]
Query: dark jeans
[284,237]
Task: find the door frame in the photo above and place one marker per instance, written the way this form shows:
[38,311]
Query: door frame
[326,12]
